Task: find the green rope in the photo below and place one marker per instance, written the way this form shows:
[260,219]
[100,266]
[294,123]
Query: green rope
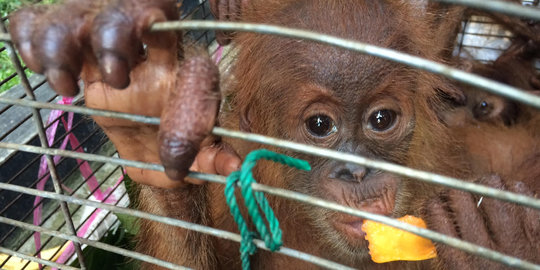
[255,201]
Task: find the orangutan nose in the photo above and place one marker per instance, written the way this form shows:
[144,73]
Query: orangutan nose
[349,172]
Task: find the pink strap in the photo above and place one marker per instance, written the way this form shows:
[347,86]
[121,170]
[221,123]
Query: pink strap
[86,172]
[219,54]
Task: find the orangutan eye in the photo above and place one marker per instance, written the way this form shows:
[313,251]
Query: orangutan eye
[320,125]
[382,120]
[484,108]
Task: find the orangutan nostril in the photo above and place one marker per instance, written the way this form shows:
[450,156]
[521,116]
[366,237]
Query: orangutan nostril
[345,174]
[349,172]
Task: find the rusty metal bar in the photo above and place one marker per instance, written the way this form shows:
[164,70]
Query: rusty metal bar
[166,220]
[303,148]
[353,45]
[79,240]
[438,237]
[43,139]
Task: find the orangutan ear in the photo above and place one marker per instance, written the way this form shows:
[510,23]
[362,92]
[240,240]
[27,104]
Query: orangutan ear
[245,118]
[451,94]
[449,103]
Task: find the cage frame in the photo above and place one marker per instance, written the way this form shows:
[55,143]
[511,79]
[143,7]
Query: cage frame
[388,54]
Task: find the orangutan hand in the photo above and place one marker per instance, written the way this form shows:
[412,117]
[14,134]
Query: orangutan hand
[102,43]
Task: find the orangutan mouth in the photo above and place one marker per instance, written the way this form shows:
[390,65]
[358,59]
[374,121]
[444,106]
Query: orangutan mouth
[376,198]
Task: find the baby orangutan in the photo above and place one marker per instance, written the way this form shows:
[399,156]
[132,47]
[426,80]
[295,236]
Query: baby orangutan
[290,89]
[500,134]
[514,67]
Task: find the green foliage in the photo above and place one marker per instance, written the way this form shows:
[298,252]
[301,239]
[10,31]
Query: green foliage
[124,237]
[129,223]
[98,259]
[6,67]
[7,6]
[132,191]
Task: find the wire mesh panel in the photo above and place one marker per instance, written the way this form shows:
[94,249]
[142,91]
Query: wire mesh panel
[90,180]
[61,206]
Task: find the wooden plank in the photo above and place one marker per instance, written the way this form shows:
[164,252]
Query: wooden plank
[16,122]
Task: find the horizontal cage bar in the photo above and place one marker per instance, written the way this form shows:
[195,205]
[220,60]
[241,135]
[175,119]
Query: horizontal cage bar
[488,85]
[303,148]
[435,236]
[166,220]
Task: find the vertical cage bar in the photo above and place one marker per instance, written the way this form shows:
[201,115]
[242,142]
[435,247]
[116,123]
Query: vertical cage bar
[43,139]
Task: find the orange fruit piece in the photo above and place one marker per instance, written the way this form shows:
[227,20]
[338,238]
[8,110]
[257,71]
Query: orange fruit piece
[388,244]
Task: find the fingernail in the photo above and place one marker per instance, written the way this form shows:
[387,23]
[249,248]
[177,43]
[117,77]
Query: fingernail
[62,82]
[25,50]
[175,174]
[115,71]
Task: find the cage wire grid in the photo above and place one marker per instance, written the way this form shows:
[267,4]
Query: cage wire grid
[88,151]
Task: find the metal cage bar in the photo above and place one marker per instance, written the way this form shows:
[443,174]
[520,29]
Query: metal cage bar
[11,179]
[304,148]
[438,237]
[498,6]
[167,220]
[491,86]
[34,259]
[384,53]
[92,192]
[43,139]
[124,252]
[3,239]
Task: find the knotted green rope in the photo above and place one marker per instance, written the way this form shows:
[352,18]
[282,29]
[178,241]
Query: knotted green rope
[254,201]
